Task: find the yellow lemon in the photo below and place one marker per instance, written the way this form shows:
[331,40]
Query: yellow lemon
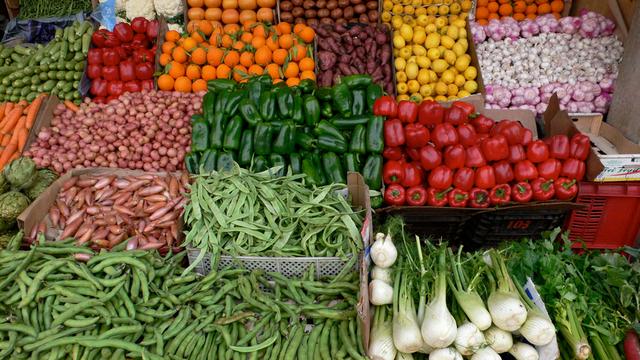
[463,93]
[419,37]
[398,42]
[452,18]
[411,70]
[460,80]
[452,98]
[433,76]
[402,97]
[447,77]
[386,17]
[419,50]
[405,2]
[449,57]
[452,89]
[416,3]
[462,33]
[431,28]
[440,22]
[414,86]
[423,62]
[405,52]
[452,32]
[439,66]
[421,11]
[462,63]
[426,90]
[411,59]
[432,40]
[396,52]
[400,63]
[432,10]
[470,73]
[455,9]
[401,76]
[447,41]
[464,43]
[440,98]
[471,86]
[406,32]
[427,2]
[464,16]
[422,20]
[397,9]
[409,20]
[443,10]
[387,5]
[409,9]
[441,88]
[458,49]
[447,2]
[466,5]
[423,76]
[433,54]
[459,23]
[402,88]
[396,21]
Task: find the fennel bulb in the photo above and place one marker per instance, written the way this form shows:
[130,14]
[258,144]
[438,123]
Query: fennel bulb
[499,340]
[406,331]
[486,353]
[439,327]
[383,252]
[445,354]
[381,342]
[384,274]
[538,329]
[522,351]
[473,306]
[404,356]
[507,310]
[380,293]
[468,339]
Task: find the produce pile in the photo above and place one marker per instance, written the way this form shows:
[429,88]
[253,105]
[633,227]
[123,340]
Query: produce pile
[36,9]
[322,133]
[145,130]
[329,12]
[362,49]
[240,213]
[123,60]
[55,68]
[138,304]
[524,63]
[519,10]
[104,210]
[432,8]
[283,52]
[230,11]
[16,120]
[468,159]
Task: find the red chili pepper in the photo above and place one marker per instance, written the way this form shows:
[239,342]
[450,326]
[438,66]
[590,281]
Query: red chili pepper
[416,135]
[566,189]
[385,106]
[110,73]
[467,135]
[580,147]
[99,88]
[123,32]
[559,147]
[393,172]
[139,25]
[441,177]
[516,153]
[414,154]
[495,148]
[500,194]
[126,70]
[573,169]
[528,137]
[474,157]
[430,113]
[455,115]
[444,135]
[543,189]
[513,131]
[479,198]
[485,177]
[550,169]
[437,197]
[454,156]
[521,192]
[94,56]
[392,153]
[464,179]
[407,111]
[458,198]
[482,124]
[412,175]
[525,170]
[537,151]
[430,158]
[416,196]
[393,133]
[110,57]
[394,195]
[503,171]
[94,71]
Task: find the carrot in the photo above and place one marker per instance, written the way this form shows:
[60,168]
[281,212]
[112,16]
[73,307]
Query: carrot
[23,133]
[12,120]
[8,108]
[7,153]
[71,106]
[5,140]
[23,103]
[33,110]
[2,107]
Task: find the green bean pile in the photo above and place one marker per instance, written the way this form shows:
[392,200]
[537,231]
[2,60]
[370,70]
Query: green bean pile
[249,214]
[35,9]
[136,304]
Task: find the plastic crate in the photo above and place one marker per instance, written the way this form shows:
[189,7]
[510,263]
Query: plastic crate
[427,222]
[611,218]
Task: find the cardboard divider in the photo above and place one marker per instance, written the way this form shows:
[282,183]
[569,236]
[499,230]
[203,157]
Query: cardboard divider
[43,119]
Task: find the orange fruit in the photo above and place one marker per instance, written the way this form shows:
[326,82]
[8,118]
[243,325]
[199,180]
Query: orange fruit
[532,9]
[246,37]
[293,81]
[247,4]
[482,12]
[557,6]
[291,70]
[226,41]
[195,3]
[239,72]
[193,72]
[276,81]
[212,3]
[199,56]
[255,70]
[246,59]
[232,58]
[505,10]
[164,59]
[199,85]
[189,43]
[165,82]
[482,3]
[283,28]
[258,41]
[167,46]
[544,9]
[307,34]
[285,41]
[265,15]
[272,43]
[539,2]
[213,14]
[195,14]
[504,1]
[191,26]
[298,27]
[247,16]
[172,36]
[307,64]
[280,56]
[307,75]
[494,16]
[205,26]
[182,84]
[230,16]
[519,16]
[273,70]
[248,26]
[493,7]
[260,29]
[519,7]
[298,52]
[231,28]
[223,72]
[267,3]
[263,56]
[238,45]
[214,56]
[483,22]
[229,4]
[208,72]
[176,69]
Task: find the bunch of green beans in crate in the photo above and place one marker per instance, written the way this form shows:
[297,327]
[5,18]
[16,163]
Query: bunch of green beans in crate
[136,304]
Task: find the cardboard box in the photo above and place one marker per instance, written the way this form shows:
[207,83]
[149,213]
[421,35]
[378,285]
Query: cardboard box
[43,119]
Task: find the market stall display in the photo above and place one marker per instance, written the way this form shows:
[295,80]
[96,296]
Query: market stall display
[328,12]
[518,10]
[432,8]
[231,11]
[16,121]
[35,9]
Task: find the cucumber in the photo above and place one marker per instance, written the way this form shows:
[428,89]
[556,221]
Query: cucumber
[43,76]
[25,91]
[68,75]
[60,74]
[79,66]
[61,84]
[77,75]
[48,86]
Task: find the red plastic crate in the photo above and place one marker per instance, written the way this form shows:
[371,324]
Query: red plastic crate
[612,217]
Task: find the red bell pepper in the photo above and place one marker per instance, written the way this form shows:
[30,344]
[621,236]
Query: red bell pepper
[407,111]
[416,195]
[393,172]
[573,169]
[464,179]
[543,189]
[437,197]
[458,198]
[94,56]
[467,135]
[550,169]
[126,70]
[559,147]
[393,133]
[525,170]
[111,41]
[474,157]
[454,156]
[444,135]
[481,138]
[152,29]
[110,73]
[414,154]
[99,38]
[143,56]
[485,177]
[115,88]
[500,194]
[99,88]
[516,153]
[94,71]
[482,124]
[580,147]
[495,148]
[527,138]
[455,115]
[479,198]
[416,135]
[110,57]
[147,85]
[566,189]
[503,172]
[537,151]
[385,106]
[132,86]
[430,158]
[394,195]
[497,128]
[412,175]
[441,177]
[139,25]
[392,153]
[467,109]
[430,113]
[144,71]
[513,131]
[123,32]
[521,192]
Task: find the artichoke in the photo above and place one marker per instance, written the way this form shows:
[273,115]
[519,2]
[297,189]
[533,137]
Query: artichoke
[6,225]
[6,238]
[11,205]
[4,184]
[44,178]
[21,172]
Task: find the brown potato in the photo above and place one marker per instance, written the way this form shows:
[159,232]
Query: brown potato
[341,21]
[313,22]
[348,13]
[372,5]
[323,13]
[332,4]
[286,16]
[297,12]
[300,20]
[363,18]
[360,9]
[356,2]
[310,13]
[297,2]
[336,13]
[326,20]
[343,3]
[321,4]
[286,6]
[373,16]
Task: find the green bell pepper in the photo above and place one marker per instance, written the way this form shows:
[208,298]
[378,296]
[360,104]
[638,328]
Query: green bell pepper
[225,162]
[295,161]
[357,81]
[352,162]
[208,161]
[333,168]
[374,91]
[196,117]
[221,101]
[326,128]
[307,86]
[376,201]
[216,131]
[267,106]
[208,102]
[262,137]
[278,160]
[313,173]
[284,142]
[342,99]
[297,114]
[199,135]
[246,148]
[359,105]
[259,164]
[249,112]
[324,94]
[191,162]
[304,140]
[234,101]
[358,142]
[311,107]
[350,122]
[375,136]
[372,172]
[256,86]
[221,84]
[285,102]
[326,111]
[330,143]
[232,134]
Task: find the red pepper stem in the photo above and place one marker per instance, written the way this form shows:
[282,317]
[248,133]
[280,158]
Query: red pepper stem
[567,185]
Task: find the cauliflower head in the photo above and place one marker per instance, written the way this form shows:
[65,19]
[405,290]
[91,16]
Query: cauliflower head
[142,8]
[169,8]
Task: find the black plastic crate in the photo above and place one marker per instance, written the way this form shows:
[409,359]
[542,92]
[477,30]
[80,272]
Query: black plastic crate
[431,222]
